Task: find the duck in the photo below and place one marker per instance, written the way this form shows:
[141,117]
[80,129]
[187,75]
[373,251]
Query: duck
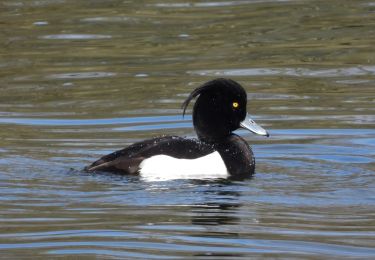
[217,152]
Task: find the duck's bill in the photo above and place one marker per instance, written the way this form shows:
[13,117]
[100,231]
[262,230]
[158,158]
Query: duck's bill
[250,125]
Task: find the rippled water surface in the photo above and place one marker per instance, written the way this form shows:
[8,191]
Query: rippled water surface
[80,79]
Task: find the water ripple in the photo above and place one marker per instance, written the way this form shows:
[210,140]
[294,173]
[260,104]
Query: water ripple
[82,122]
[114,19]
[214,3]
[294,72]
[75,37]
[81,75]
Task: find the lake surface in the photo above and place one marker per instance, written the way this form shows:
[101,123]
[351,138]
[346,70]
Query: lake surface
[80,79]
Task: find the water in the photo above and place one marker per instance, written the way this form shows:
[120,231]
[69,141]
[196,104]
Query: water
[81,79]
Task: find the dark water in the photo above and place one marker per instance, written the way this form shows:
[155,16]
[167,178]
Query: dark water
[80,79]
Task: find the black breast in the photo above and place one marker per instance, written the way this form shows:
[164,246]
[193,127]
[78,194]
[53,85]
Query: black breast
[238,156]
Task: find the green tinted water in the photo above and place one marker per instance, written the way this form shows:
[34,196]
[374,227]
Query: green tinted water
[80,79]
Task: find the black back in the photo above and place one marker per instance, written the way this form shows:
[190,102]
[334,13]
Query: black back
[128,159]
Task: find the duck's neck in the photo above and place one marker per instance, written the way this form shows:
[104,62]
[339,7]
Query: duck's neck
[237,156]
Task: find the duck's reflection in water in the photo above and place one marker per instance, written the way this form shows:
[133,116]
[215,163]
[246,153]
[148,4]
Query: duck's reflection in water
[218,215]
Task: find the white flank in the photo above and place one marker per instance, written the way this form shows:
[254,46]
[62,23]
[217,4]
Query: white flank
[164,167]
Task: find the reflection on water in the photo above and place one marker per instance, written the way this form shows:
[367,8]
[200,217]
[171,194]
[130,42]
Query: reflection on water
[298,72]
[75,36]
[97,121]
[81,79]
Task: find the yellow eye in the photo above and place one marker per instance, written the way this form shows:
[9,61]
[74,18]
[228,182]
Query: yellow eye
[235,104]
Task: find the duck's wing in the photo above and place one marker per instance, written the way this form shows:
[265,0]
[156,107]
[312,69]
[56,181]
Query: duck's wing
[112,161]
[128,159]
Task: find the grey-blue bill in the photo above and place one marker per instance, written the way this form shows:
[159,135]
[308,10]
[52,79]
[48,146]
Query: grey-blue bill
[250,125]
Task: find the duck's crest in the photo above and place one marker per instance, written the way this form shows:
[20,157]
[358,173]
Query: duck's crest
[206,86]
